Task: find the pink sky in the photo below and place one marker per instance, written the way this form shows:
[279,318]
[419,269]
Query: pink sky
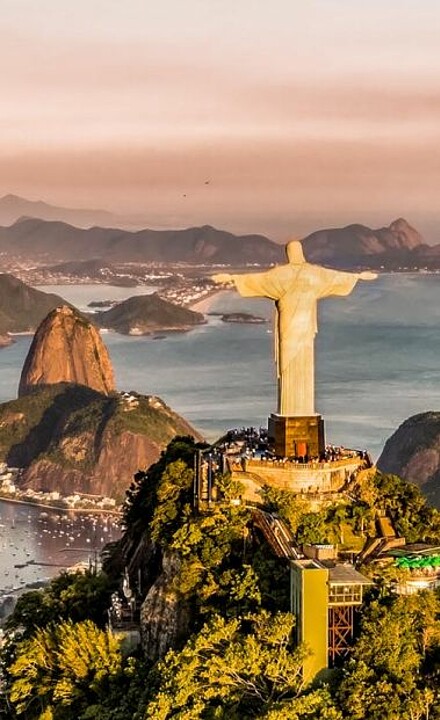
[300,115]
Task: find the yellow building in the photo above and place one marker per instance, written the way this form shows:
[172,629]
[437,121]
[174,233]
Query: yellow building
[324,597]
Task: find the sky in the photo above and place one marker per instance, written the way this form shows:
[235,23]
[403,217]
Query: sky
[277,117]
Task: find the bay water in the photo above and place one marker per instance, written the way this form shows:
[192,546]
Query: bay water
[377,363]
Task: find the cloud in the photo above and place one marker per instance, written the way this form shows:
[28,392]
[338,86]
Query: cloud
[267,186]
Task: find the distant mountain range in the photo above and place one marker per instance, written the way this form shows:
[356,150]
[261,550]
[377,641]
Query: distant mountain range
[13,207]
[41,240]
[392,247]
[54,237]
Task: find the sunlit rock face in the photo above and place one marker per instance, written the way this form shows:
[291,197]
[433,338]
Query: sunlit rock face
[67,348]
[70,431]
[413,453]
[165,616]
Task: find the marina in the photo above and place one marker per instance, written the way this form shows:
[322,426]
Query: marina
[37,544]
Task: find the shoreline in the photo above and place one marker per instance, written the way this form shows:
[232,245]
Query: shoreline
[47,506]
[205,303]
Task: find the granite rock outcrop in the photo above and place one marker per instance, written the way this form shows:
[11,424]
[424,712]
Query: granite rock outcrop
[165,616]
[67,348]
[70,431]
[413,453]
[71,439]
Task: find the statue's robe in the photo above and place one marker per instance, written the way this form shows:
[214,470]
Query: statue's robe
[296,289]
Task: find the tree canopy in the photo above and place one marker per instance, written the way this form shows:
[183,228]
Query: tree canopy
[238,660]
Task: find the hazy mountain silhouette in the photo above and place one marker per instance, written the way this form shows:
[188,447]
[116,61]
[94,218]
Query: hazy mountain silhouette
[354,245]
[40,240]
[62,235]
[13,207]
[22,307]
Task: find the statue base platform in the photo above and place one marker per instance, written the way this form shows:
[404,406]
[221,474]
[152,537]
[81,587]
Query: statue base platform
[298,437]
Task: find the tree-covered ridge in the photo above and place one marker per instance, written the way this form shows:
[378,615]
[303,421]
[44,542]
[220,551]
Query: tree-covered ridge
[238,657]
[145,314]
[374,495]
[245,667]
[394,670]
[71,438]
[221,566]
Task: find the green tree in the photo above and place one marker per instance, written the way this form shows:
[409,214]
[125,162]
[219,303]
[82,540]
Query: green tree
[230,669]
[403,503]
[289,506]
[141,497]
[174,495]
[314,528]
[213,563]
[75,596]
[63,669]
[384,679]
[312,705]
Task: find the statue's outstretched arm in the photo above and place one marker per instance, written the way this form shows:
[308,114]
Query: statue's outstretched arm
[222,278]
[261,284]
[366,275]
[338,282]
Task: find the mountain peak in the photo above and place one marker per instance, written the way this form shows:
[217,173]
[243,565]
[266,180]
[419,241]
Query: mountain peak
[10,198]
[360,246]
[13,206]
[67,348]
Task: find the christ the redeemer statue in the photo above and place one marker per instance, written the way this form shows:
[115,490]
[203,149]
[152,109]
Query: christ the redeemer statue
[296,288]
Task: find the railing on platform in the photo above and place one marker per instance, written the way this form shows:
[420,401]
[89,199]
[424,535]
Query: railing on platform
[291,465]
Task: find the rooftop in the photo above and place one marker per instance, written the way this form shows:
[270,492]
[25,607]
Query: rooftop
[338,573]
[346,575]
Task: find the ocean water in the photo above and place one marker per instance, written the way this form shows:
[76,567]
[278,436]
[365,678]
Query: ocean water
[35,543]
[377,360]
[377,363]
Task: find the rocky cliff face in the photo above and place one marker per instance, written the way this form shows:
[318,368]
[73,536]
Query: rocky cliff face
[67,348]
[413,453]
[72,439]
[165,616]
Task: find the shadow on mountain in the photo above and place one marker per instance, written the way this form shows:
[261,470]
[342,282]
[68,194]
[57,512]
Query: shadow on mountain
[67,407]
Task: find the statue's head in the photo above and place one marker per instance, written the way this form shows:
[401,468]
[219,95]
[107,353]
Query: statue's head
[294,252]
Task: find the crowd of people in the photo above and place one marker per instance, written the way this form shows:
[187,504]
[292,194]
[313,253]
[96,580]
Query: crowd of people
[253,443]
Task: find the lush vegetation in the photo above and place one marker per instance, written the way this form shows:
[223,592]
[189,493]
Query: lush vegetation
[70,596]
[147,313]
[237,658]
[47,423]
[373,495]
[63,671]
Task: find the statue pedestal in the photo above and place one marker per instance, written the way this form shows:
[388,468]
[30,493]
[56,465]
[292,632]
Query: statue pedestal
[301,437]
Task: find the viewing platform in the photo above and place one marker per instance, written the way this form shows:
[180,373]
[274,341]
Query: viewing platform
[311,478]
[247,454]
